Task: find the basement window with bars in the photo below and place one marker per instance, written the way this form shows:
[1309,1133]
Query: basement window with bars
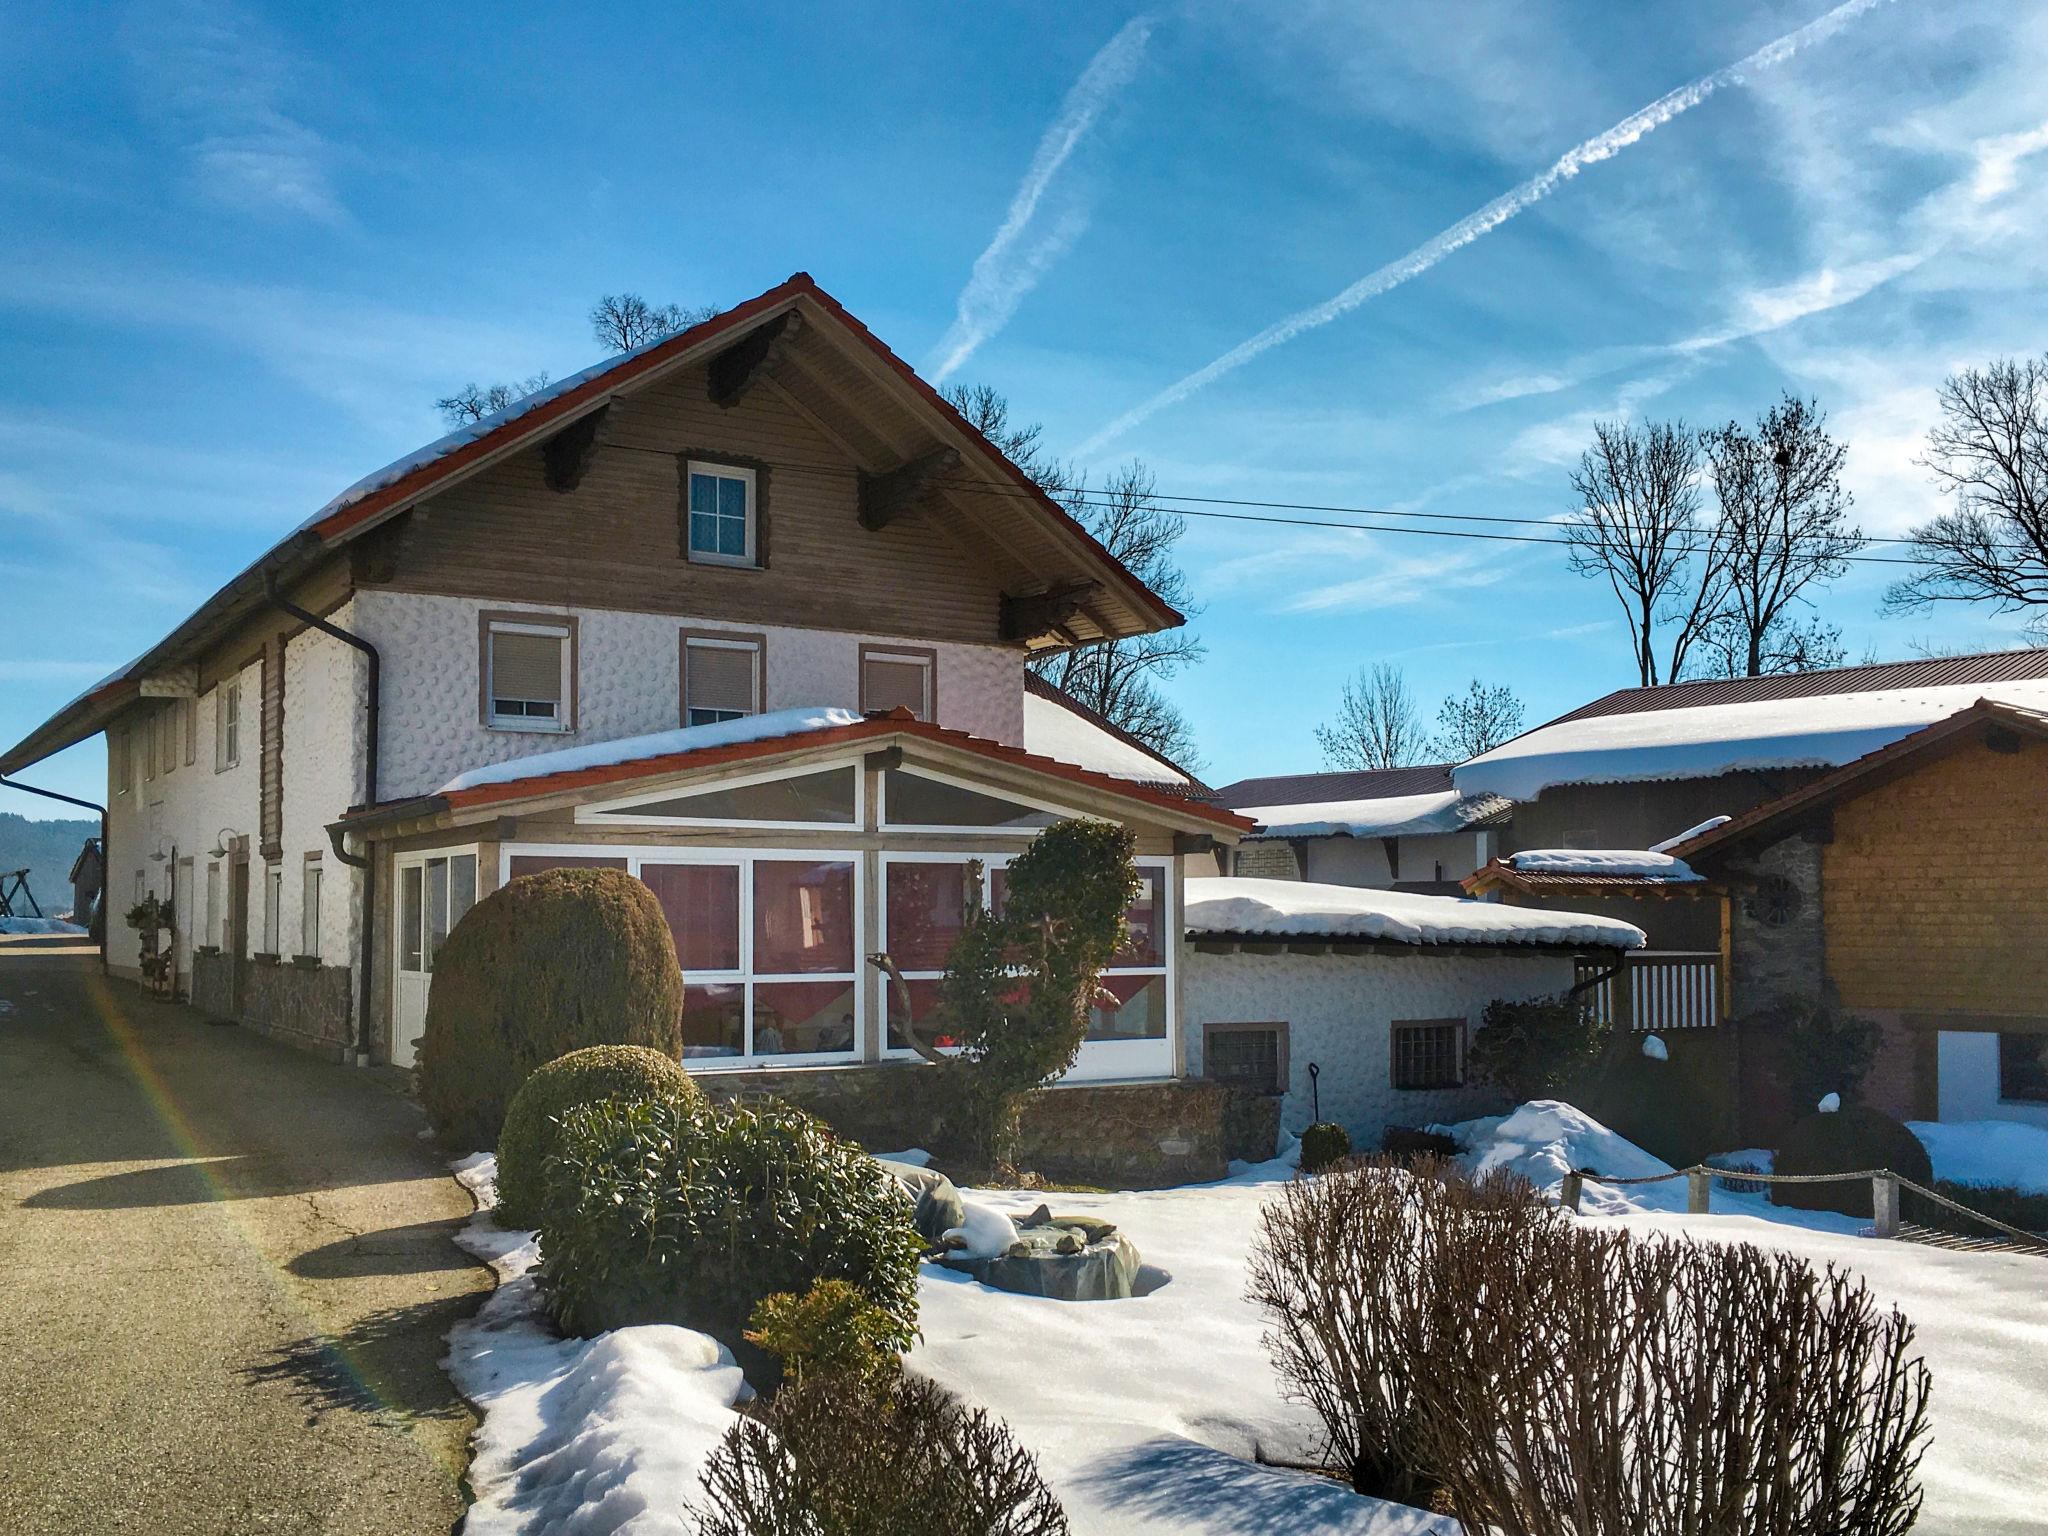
[1250,1056]
[1429,1053]
[527,675]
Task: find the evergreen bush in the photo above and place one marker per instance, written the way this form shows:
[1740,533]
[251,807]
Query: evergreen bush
[527,1143]
[1847,1140]
[1533,1048]
[1323,1144]
[830,1330]
[545,965]
[1825,1050]
[672,1211]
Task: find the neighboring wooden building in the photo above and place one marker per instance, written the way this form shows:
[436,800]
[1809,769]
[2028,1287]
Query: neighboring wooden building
[1906,887]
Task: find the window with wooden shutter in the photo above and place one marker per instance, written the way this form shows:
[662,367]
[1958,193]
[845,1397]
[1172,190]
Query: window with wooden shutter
[893,679]
[721,677]
[528,672]
[227,725]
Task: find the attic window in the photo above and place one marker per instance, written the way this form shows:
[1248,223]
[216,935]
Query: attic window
[723,522]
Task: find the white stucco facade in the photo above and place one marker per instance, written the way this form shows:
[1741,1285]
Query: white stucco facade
[1968,1078]
[628,681]
[1340,1010]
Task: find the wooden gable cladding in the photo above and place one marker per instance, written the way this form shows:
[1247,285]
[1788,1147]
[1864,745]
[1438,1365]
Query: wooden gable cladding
[614,540]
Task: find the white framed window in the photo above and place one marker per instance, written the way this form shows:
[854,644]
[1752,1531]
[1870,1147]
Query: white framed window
[924,897]
[898,677]
[770,942]
[926,800]
[528,674]
[309,910]
[188,709]
[724,523]
[435,892]
[227,725]
[213,904]
[816,796]
[150,749]
[721,677]
[273,906]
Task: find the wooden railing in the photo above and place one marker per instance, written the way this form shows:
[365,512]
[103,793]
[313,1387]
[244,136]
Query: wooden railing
[1659,989]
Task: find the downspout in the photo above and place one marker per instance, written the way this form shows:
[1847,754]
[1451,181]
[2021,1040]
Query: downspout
[366,958]
[106,869]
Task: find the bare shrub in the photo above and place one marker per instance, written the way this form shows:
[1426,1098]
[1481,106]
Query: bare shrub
[854,1455]
[1346,1267]
[1610,1386]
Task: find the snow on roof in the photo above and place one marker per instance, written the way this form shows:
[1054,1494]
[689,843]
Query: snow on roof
[1690,833]
[1053,730]
[1643,864]
[1391,816]
[1811,732]
[1302,909]
[631,749]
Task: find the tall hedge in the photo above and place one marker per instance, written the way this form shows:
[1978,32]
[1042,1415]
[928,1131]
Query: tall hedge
[546,965]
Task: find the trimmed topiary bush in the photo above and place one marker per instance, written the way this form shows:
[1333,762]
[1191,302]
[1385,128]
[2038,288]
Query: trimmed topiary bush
[548,964]
[1851,1138]
[832,1330]
[1826,1051]
[531,1130]
[1323,1144]
[1532,1048]
[671,1211]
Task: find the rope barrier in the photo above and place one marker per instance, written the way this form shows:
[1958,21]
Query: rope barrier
[1700,1174]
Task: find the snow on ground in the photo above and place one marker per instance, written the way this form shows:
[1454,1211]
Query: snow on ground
[1145,1414]
[1228,904]
[580,1437]
[1643,863]
[1707,740]
[38,925]
[1987,1152]
[632,749]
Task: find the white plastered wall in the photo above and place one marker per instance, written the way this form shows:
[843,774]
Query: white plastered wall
[1969,1081]
[1340,1011]
[628,681]
[323,775]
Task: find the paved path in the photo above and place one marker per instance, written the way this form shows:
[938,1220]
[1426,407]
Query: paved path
[225,1276]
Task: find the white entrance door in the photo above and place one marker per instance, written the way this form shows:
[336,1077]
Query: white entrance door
[434,890]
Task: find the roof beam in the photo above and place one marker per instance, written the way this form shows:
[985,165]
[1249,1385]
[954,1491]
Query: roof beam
[1039,613]
[568,455]
[883,496]
[735,370]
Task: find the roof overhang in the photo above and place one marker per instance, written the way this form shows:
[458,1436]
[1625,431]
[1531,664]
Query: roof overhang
[919,741]
[1062,586]
[1500,875]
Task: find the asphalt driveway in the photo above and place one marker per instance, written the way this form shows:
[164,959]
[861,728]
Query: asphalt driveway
[225,1276]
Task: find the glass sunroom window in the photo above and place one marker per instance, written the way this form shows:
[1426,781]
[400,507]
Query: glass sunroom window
[824,798]
[916,800]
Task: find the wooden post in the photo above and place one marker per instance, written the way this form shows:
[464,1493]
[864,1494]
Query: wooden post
[1884,1204]
[1697,1183]
[1569,1191]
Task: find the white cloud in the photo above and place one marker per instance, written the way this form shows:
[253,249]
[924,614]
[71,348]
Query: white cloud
[227,88]
[1602,146]
[1015,259]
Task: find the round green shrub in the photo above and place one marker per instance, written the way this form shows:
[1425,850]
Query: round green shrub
[1852,1138]
[673,1211]
[546,965]
[1322,1144]
[582,1077]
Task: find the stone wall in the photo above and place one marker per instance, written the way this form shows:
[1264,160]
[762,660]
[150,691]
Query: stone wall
[213,984]
[1772,960]
[1122,1134]
[306,1006]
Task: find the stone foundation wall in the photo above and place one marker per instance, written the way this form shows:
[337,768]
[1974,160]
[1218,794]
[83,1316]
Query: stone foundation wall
[212,987]
[306,1006]
[1123,1134]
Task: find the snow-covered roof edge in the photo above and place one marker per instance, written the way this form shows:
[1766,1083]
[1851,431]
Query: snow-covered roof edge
[1240,907]
[1392,816]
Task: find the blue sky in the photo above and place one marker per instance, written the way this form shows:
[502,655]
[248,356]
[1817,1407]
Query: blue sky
[247,247]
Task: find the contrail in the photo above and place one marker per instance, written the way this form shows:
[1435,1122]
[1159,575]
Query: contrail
[1002,275]
[1600,147]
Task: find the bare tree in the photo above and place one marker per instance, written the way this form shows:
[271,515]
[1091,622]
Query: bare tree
[473,402]
[1723,648]
[1638,526]
[1377,724]
[1022,443]
[1119,679]
[1476,721]
[1990,454]
[1784,523]
[623,321]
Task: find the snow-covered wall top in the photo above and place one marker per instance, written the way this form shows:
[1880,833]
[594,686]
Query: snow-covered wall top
[1053,730]
[1299,909]
[1726,738]
[1393,816]
[1602,861]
